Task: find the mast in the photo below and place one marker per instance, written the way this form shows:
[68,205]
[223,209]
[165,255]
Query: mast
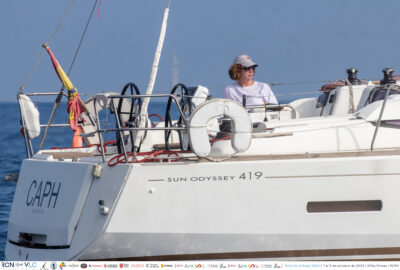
[149,91]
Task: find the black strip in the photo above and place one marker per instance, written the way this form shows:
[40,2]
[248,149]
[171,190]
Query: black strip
[36,246]
[344,206]
[251,255]
[269,255]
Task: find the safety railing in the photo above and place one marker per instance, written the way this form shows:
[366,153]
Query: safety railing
[274,107]
[98,129]
[378,123]
[121,129]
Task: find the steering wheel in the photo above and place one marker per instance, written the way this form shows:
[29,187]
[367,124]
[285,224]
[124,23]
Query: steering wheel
[128,118]
[180,91]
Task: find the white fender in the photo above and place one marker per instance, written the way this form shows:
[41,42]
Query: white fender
[241,125]
[30,116]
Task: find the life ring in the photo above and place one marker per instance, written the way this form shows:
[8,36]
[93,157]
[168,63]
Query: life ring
[241,125]
[30,116]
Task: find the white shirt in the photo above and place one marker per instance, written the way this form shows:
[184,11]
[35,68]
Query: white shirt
[256,94]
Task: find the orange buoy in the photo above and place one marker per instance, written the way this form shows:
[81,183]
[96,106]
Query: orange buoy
[77,140]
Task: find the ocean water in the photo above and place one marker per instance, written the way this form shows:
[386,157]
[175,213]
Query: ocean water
[13,148]
[13,152]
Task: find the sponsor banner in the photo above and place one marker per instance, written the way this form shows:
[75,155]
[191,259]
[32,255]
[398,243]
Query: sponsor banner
[184,265]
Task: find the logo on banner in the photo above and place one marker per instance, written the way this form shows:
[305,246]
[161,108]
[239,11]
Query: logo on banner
[53,265]
[266,265]
[7,264]
[152,265]
[62,264]
[30,264]
[95,265]
[137,265]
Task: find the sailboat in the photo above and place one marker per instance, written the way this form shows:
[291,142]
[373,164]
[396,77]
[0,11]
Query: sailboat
[315,179]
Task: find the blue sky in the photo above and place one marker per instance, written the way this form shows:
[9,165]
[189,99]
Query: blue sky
[291,40]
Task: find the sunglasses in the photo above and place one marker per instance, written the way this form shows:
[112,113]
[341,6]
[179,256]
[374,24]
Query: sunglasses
[248,68]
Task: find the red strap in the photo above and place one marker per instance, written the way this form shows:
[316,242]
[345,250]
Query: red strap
[98,11]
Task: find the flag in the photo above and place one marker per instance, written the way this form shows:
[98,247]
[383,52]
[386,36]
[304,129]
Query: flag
[74,106]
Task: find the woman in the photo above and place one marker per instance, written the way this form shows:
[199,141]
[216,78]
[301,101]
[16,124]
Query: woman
[256,93]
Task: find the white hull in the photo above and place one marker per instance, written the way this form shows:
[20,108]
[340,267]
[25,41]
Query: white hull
[153,217]
[308,188]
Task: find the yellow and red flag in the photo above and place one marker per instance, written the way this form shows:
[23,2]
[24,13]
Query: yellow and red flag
[74,106]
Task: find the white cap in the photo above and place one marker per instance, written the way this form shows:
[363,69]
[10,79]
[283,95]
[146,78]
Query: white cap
[244,60]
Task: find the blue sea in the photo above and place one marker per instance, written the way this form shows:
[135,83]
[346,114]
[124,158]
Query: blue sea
[13,147]
[13,152]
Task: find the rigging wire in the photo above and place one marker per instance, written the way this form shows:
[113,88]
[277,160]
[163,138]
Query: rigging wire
[305,82]
[44,50]
[298,93]
[82,37]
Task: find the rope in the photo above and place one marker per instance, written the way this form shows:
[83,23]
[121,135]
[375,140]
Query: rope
[44,50]
[220,139]
[148,157]
[157,115]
